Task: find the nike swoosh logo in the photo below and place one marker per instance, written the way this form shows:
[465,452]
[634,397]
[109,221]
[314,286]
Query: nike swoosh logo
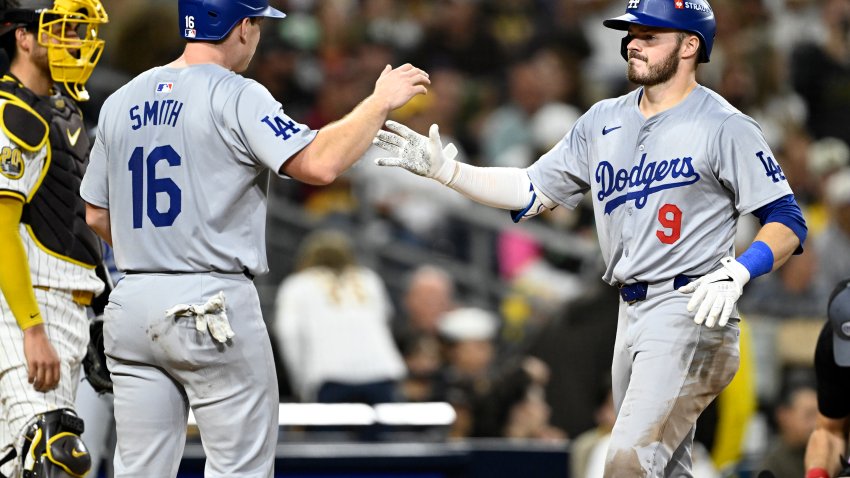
[77,454]
[608,130]
[32,316]
[73,137]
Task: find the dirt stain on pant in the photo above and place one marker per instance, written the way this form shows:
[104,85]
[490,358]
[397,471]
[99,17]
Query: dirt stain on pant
[710,368]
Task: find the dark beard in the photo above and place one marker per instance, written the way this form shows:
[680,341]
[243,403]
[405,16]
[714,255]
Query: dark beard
[657,74]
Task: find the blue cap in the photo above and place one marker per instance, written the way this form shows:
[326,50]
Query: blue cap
[212,20]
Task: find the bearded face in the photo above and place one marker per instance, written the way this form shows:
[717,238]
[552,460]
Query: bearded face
[653,73]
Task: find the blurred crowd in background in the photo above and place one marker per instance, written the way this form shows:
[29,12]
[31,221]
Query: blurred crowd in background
[387,287]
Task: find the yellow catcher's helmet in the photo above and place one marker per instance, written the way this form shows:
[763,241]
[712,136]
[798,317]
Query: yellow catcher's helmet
[72,57]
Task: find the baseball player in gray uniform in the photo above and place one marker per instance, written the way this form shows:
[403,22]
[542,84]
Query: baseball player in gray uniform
[670,167]
[177,184]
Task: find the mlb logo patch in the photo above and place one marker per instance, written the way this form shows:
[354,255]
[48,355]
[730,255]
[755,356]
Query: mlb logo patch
[680,4]
[164,87]
[190,33]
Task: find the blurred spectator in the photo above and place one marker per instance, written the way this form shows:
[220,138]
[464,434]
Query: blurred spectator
[833,245]
[417,211]
[276,66]
[424,361]
[577,348]
[492,399]
[794,22]
[470,351]
[820,73]
[793,291]
[826,157]
[591,445]
[506,136]
[332,321]
[138,42]
[428,295]
[528,414]
[795,415]
[458,37]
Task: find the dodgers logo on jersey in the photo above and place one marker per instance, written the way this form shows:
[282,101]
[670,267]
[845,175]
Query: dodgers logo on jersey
[11,163]
[641,180]
[164,88]
[771,167]
[282,127]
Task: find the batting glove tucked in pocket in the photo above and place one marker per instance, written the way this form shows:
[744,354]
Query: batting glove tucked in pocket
[210,316]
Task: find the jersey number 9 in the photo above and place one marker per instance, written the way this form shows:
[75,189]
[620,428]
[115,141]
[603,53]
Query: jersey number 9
[670,218]
[155,186]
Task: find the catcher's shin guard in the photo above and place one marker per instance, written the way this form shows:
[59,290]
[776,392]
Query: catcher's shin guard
[52,446]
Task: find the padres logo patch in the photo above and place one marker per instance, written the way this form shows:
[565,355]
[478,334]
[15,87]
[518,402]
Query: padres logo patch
[11,163]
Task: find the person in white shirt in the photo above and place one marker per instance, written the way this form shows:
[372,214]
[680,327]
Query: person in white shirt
[332,326]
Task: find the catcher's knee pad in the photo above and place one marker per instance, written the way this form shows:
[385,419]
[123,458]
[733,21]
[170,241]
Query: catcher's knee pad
[52,446]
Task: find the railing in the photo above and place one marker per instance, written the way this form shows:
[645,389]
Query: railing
[474,272]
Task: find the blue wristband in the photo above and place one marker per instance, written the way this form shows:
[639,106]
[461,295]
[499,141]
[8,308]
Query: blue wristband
[758,259]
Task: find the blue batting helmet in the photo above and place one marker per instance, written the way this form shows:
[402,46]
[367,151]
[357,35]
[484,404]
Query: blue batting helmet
[694,16]
[212,20]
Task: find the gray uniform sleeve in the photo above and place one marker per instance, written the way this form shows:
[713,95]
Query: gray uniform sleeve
[95,186]
[562,173]
[746,166]
[270,136]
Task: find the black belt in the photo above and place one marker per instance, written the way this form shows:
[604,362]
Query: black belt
[636,291]
[244,272]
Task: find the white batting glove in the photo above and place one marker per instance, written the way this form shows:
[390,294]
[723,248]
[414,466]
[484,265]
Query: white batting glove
[716,293]
[416,153]
[210,316]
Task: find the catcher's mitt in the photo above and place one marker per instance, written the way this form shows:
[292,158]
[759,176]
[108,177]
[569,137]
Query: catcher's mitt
[94,363]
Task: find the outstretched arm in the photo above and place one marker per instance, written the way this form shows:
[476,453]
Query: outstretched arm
[340,144]
[503,188]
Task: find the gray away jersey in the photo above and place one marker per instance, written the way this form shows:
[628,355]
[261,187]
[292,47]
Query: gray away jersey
[667,191]
[179,161]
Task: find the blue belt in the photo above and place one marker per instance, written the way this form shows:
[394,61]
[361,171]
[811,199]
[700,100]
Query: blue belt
[636,291]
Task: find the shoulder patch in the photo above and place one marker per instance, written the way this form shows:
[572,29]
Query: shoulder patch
[11,162]
[23,125]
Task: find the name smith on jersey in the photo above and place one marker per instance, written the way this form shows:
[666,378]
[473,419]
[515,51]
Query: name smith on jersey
[155,113]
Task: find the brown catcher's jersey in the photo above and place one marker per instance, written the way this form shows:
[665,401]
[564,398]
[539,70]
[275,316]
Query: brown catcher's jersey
[43,149]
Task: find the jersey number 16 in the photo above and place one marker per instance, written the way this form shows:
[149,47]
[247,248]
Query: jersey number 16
[155,186]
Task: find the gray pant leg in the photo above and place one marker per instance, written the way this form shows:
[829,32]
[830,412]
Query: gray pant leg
[231,388]
[671,369]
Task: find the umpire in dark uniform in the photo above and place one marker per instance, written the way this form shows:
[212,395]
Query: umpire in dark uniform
[828,443]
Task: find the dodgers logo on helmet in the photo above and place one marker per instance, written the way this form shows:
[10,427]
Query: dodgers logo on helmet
[694,16]
[212,20]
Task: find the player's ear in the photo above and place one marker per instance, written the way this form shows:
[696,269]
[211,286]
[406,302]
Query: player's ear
[244,28]
[690,46]
[24,40]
